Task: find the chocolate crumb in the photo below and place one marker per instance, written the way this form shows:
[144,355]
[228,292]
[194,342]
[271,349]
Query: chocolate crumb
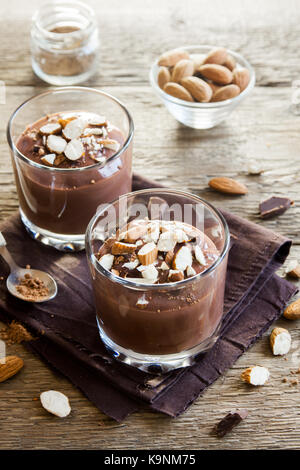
[284,380]
[93,181]
[294,382]
[232,419]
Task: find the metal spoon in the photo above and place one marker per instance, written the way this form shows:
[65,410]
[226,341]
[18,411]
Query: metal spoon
[16,272]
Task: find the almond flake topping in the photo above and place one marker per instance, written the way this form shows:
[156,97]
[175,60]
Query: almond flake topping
[119,248]
[150,273]
[166,241]
[48,129]
[56,144]
[74,150]
[199,255]
[148,253]
[74,128]
[131,264]
[49,159]
[183,258]
[110,144]
[107,261]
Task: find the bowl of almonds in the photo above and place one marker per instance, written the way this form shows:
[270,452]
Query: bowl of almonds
[201,85]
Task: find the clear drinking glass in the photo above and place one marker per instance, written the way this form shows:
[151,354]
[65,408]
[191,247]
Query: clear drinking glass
[177,320]
[56,204]
[64,42]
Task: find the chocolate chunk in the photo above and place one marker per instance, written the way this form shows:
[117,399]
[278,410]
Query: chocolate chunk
[274,206]
[232,419]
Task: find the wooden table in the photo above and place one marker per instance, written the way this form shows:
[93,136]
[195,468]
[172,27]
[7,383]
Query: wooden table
[263,128]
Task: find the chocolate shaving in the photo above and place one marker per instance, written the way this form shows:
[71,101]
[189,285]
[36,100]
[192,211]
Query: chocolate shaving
[274,206]
[232,419]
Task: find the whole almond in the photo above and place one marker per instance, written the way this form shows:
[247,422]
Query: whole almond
[214,87]
[216,56]
[230,62]
[217,73]
[198,88]
[226,92]
[241,78]
[178,91]
[183,68]
[227,185]
[9,366]
[163,77]
[170,58]
[292,312]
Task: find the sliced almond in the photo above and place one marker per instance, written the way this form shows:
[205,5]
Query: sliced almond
[49,159]
[150,273]
[134,232]
[254,168]
[74,149]
[292,311]
[107,261]
[153,232]
[56,403]
[74,129]
[110,144]
[148,254]
[227,185]
[166,241]
[164,266]
[182,259]
[175,275]
[199,255]
[59,159]
[190,271]
[63,122]
[97,120]
[131,264]
[50,128]
[255,375]
[280,341]
[56,143]
[88,131]
[120,248]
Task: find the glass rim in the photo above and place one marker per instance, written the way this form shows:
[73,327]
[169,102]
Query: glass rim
[62,90]
[36,18]
[197,105]
[169,285]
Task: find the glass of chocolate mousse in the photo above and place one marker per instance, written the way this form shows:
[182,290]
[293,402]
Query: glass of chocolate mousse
[71,150]
[158,261]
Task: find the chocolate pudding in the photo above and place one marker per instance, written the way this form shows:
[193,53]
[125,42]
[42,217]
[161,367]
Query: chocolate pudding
[170,308]
[72,170]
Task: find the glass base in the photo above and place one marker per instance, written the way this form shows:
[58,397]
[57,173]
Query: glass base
[68,243]
[61,80]
[156,364]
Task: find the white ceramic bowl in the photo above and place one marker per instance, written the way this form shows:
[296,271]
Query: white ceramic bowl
[202,115]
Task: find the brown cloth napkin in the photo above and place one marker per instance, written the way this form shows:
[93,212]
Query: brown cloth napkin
[68,339]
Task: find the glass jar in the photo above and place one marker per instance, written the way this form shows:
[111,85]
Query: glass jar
[158,327]
[64,42]
[56,204]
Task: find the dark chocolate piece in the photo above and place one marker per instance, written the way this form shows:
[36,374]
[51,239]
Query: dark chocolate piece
[274,206]
[232,419]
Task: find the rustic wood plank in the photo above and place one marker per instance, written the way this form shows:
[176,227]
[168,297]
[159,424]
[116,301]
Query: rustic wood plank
[262,128]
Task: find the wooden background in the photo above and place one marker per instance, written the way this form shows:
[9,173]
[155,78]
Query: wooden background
[263,128]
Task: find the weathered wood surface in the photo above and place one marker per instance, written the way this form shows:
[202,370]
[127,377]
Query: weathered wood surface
[262,128]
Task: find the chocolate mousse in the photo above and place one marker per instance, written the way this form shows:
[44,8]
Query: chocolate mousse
[64,201]
[171,308]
